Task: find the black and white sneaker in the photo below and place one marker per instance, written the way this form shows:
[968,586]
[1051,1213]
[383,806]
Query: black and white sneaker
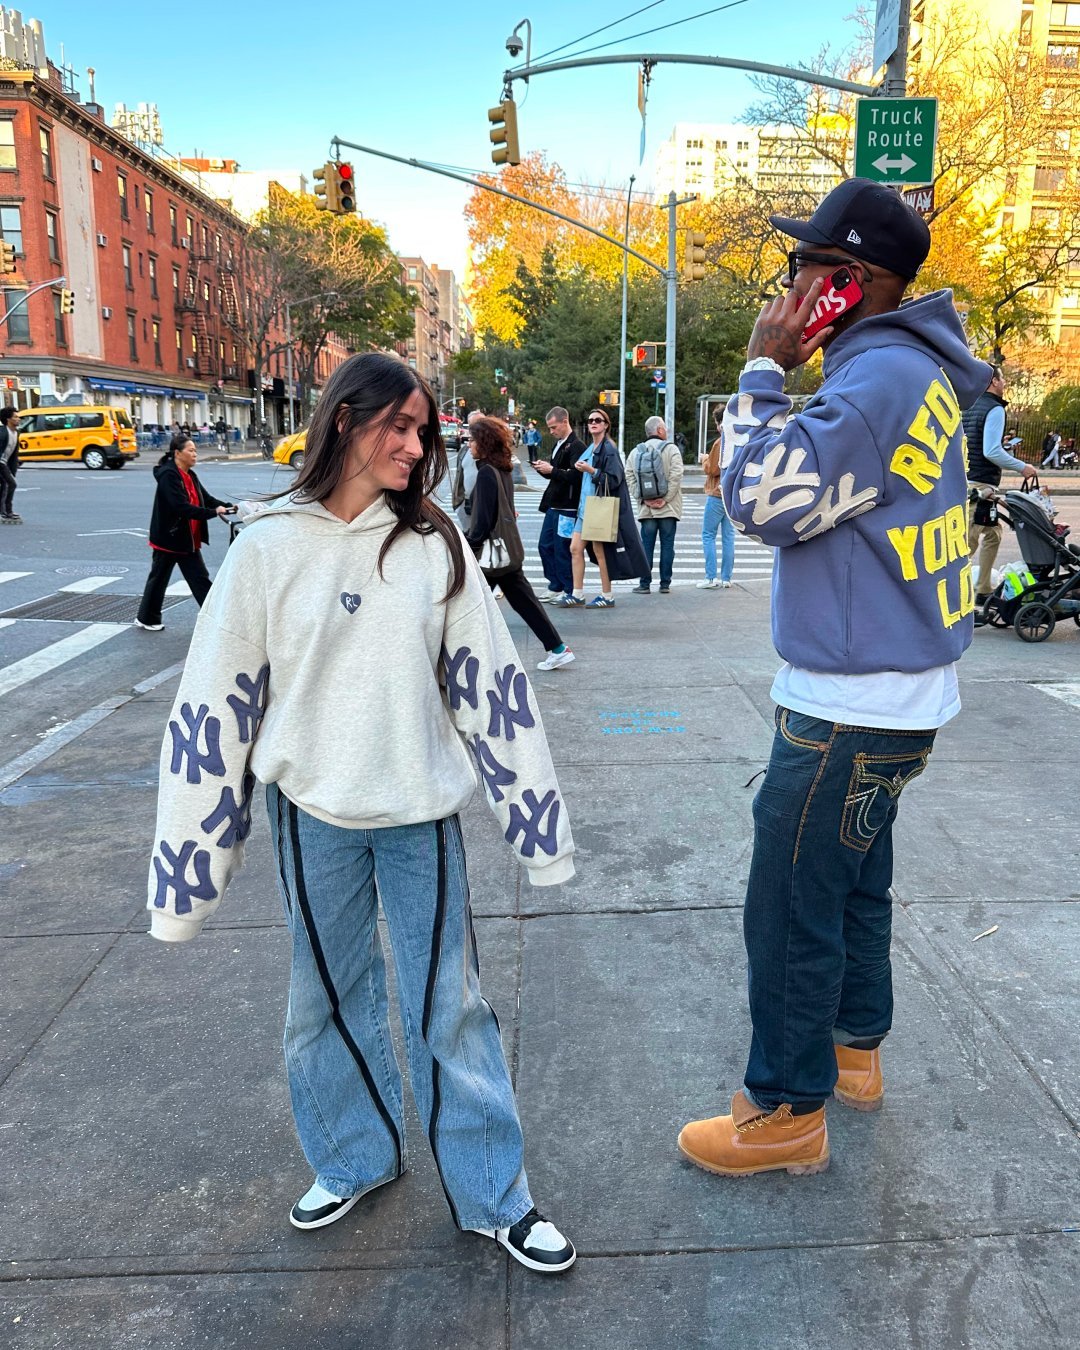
[320,1207]
[535,1242]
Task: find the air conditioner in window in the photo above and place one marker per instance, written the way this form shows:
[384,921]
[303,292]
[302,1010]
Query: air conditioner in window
[102,239]
[96,164]
[106,312]
[185,242]
[191,363]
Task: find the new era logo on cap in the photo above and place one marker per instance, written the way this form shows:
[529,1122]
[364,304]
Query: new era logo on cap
[854,238]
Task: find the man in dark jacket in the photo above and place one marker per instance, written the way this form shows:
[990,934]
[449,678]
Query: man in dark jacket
[9,463]
[560,501]
[984,431]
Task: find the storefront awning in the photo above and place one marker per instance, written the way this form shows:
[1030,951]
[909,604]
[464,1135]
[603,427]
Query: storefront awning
[130,387]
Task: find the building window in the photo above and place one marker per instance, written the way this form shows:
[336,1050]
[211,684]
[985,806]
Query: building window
[7,143]
[11,226]
[151,263]
[45,136]
[172,223]
[52,229]
[129,282]
[205,241]
[176,284]
[1048,179]
[121,187]
[18,324]
[1065,16]
[58,319]
[148,205]
[1062,56]
[157,343]
[206,291]
[179,350]
[412,273]
[190,228]
[133,342]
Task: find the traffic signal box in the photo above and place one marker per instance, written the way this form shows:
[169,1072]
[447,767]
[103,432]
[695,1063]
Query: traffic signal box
[645,354]
[694,257]
[67,302]
[7,258]
[335,187]
[504,133]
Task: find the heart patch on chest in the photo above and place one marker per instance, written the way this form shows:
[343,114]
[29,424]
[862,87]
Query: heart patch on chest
[351,601]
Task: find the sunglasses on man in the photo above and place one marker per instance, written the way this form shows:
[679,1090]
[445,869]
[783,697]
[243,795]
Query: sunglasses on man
[799,258]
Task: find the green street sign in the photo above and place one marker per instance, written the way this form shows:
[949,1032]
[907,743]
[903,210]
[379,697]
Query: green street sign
[895,140]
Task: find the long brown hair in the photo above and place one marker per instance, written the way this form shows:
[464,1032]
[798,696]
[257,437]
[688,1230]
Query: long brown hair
[493,441]
[371,388]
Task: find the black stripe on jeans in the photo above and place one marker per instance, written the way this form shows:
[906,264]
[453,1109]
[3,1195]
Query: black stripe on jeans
[429,1002]
[328,984]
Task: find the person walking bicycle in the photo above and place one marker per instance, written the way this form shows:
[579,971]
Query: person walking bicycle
[352,658]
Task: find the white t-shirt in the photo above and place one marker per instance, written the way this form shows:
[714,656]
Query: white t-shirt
[888,700]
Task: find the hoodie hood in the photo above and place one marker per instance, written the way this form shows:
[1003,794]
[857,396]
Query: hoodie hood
[929,325]
[377,518]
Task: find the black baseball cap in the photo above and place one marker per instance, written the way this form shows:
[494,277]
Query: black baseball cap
[870,221]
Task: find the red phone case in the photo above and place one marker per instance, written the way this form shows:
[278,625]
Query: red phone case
[841,293]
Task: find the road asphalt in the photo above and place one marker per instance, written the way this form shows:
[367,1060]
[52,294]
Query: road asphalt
[148,1156]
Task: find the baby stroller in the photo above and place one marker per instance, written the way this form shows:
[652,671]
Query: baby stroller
[1050,590]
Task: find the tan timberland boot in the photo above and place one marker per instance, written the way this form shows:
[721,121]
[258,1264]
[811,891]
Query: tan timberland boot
[859,1083]
[751,1140]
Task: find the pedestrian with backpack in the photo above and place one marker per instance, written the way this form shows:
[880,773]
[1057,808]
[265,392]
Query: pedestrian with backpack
[716,520]
[654,472]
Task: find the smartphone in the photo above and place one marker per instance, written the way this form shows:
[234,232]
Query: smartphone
[841,293]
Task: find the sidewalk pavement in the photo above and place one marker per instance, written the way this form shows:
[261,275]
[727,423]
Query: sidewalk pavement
[149,1161]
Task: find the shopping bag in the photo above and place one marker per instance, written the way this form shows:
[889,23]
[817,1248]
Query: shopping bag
[601,524]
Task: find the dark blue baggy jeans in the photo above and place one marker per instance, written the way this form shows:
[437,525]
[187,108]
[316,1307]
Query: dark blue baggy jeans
[818,916]
[555,553]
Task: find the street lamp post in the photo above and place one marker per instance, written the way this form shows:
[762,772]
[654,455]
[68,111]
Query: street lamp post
[289,306]
[622,333]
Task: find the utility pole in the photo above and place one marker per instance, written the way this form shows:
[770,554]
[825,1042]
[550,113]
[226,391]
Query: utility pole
[895,83]
[622,336]
[672,276]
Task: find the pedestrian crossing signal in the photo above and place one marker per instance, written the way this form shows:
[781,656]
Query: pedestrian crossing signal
[645,354]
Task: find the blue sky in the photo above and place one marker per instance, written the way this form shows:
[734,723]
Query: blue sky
[268,84]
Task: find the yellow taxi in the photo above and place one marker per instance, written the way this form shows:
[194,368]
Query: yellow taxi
[99,437]
[290,450]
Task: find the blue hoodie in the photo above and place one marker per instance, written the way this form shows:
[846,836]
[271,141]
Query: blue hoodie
[863,494]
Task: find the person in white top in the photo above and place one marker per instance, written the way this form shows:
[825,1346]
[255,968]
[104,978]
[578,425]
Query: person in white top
[352,659]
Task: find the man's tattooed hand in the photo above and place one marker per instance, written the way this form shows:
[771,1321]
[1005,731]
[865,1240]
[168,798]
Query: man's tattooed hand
[779,328]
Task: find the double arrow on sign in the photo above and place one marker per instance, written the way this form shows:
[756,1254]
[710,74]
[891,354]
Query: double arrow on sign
[884,164]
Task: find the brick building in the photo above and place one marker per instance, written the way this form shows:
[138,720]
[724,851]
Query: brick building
[160,270]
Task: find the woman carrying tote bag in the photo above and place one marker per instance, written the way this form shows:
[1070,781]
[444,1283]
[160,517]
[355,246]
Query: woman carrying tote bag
[494,538]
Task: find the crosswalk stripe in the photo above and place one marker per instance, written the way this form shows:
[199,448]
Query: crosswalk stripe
[13,576]
[86,584]
[5,623]
[178,588]
[56,654]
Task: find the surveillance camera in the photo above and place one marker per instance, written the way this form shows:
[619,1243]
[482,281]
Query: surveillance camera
[514,45]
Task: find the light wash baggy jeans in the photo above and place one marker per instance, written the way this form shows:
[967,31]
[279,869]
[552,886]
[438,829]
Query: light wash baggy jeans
[343,1075]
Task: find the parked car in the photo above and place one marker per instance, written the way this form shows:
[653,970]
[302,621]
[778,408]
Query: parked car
[290,450]
[98,437]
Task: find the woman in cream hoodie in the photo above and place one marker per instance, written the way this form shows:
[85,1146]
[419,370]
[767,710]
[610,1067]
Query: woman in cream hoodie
[351,658]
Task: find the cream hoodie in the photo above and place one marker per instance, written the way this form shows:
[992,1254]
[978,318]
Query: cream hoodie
[369,702]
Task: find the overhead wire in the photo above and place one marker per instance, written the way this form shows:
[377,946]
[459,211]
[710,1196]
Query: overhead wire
[585,36]
[675,23]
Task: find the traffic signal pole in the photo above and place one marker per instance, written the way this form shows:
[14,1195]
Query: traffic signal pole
[42,286]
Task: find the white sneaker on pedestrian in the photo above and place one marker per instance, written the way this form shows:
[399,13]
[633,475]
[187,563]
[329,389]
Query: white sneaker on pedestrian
[725,585]
[709,585]
[535,1242]
[150,627]
[551,597]
[554,660]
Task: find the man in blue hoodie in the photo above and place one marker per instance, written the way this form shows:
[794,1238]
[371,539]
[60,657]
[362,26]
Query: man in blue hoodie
[863,496]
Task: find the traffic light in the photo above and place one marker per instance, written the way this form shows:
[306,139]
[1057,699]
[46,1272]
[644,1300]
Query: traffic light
[326,187]
[346,188]
[67,302]
[504,133]
[694,257]
[7,258]
[645,354]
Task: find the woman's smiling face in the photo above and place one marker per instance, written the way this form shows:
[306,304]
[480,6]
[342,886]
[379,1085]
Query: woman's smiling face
[386,452]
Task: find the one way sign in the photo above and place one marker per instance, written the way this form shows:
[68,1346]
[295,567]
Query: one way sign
[895,139]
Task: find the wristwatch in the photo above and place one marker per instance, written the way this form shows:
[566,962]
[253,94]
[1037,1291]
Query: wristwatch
[763,363]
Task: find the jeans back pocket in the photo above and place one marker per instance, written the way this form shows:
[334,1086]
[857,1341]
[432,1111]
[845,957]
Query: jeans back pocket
[874,787]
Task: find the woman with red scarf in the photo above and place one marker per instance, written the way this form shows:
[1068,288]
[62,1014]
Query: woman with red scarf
[182,506]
